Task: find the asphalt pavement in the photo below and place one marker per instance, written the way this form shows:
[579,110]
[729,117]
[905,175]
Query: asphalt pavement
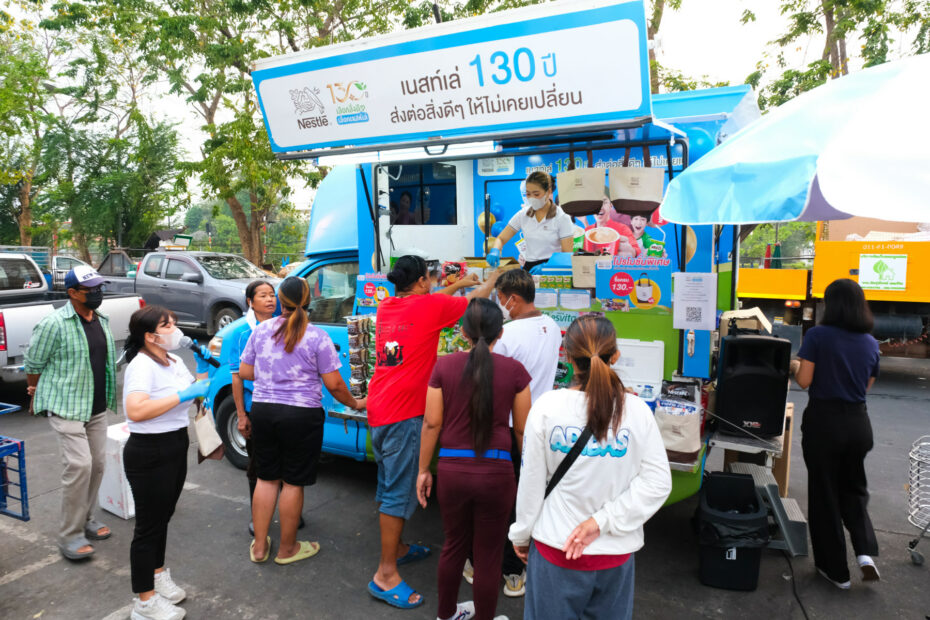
[208,541]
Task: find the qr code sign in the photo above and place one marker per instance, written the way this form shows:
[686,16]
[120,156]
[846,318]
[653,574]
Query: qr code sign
[693,314]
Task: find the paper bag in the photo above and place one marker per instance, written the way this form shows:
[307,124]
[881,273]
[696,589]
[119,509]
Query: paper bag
[679,424]
[209,444]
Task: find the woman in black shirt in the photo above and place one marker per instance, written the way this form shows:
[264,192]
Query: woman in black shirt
[839,363]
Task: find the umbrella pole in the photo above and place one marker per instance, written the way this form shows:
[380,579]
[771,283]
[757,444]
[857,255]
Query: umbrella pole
[734,266]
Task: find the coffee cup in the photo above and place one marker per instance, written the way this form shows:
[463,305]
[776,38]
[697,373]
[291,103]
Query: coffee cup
[601,240]
[578,238]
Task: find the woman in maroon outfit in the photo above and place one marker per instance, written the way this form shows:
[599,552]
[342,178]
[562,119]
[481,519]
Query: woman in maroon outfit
[468,406]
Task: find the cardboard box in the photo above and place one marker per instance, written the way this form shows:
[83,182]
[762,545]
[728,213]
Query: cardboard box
[748,318]
[583,271]
[115,495]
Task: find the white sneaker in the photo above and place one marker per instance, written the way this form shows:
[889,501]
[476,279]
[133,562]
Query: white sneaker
[515,585]
[166,586]
[468,572]
[868,568]
[463,611]
[501,618]
[842,585]
[156,608]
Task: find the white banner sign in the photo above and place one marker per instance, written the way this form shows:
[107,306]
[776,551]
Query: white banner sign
[883,272]
[476,77]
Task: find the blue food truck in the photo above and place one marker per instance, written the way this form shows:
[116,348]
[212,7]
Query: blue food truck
[429,134]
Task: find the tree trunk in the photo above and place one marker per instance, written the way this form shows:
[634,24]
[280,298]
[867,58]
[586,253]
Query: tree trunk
[24,218]
[831,48]
[652,28]
[257,222]
[80,239]
[243,227]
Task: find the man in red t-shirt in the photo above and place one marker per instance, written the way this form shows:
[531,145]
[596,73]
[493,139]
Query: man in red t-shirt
[406,343]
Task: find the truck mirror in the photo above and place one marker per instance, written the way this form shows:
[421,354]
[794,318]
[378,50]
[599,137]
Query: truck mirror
[192,277]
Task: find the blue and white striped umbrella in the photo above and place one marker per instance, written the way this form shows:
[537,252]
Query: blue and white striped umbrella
[856,146]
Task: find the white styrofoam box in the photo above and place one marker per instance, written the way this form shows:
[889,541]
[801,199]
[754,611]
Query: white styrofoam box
[115,495]
[641,366]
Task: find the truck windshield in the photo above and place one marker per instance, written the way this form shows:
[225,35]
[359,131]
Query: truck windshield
[229,267]
[18,273]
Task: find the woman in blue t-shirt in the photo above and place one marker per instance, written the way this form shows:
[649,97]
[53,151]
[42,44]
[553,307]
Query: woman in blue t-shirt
[839,363]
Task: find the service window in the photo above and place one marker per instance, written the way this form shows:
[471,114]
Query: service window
[332,292]
[177,268]
[422,194]
[153,266]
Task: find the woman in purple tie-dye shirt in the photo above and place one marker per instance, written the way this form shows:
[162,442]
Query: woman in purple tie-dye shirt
[290,361]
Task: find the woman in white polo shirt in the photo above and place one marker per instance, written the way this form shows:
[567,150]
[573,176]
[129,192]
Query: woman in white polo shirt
[546,228]
[157,390]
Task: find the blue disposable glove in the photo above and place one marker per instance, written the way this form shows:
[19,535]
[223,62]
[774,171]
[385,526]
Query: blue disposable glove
[198,389]
[201,355]
[494,258]
[537,270]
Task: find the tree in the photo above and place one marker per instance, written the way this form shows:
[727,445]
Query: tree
[875,23]
[204,49]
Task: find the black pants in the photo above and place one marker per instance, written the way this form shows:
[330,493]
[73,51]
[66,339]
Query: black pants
[836,436]
[156,466]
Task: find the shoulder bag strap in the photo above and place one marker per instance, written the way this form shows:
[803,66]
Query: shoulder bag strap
[567,462]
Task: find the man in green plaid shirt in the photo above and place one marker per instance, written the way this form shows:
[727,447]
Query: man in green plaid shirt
[71,374]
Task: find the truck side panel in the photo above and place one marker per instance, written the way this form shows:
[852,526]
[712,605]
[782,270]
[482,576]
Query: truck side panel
[840,259]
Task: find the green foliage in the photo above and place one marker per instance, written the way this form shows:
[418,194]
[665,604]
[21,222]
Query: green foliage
[672,81]
[796,239]
[877,25]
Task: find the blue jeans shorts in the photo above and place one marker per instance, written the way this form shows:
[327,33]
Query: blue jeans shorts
[397,452]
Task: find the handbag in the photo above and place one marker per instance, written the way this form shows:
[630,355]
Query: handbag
[581,191]
[639,190]
[209,444]
[572,456]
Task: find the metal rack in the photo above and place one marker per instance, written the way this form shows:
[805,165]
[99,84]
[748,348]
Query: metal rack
[13,461]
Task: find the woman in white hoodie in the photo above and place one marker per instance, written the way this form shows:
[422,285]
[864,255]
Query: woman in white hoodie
[584,534]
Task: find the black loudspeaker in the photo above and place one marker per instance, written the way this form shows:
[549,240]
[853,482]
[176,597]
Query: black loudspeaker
[752,384]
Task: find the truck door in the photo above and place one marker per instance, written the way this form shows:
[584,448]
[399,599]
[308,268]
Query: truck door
[431,209]
[183,290]
[149,280]
[332,293]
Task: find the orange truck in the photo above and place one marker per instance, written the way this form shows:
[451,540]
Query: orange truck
[890,260]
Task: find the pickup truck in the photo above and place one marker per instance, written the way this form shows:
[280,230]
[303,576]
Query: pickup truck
[25,299]
[205,289]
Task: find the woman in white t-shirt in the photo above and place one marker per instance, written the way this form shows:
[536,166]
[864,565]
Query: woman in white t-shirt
[580,562]
[546,228]
[157,390]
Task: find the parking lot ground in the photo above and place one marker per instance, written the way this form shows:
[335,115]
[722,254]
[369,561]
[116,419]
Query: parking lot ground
[208,542]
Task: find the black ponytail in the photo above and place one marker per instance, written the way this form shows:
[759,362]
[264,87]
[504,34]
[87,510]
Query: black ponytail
[482,324]
[144,321]
[406,272]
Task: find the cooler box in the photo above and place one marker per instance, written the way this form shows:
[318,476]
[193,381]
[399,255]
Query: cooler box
[115,495]
[641,366]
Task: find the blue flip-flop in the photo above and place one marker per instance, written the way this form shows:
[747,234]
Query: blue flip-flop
[398,596]
[414,553]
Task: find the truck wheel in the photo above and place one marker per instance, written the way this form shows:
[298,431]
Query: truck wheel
[227,426]
[224,317]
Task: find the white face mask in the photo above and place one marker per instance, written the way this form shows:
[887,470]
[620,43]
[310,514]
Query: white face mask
[504,309]
[536,204]
[174,340]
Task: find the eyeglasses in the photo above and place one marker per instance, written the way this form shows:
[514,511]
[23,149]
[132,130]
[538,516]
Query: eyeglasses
[95,289]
